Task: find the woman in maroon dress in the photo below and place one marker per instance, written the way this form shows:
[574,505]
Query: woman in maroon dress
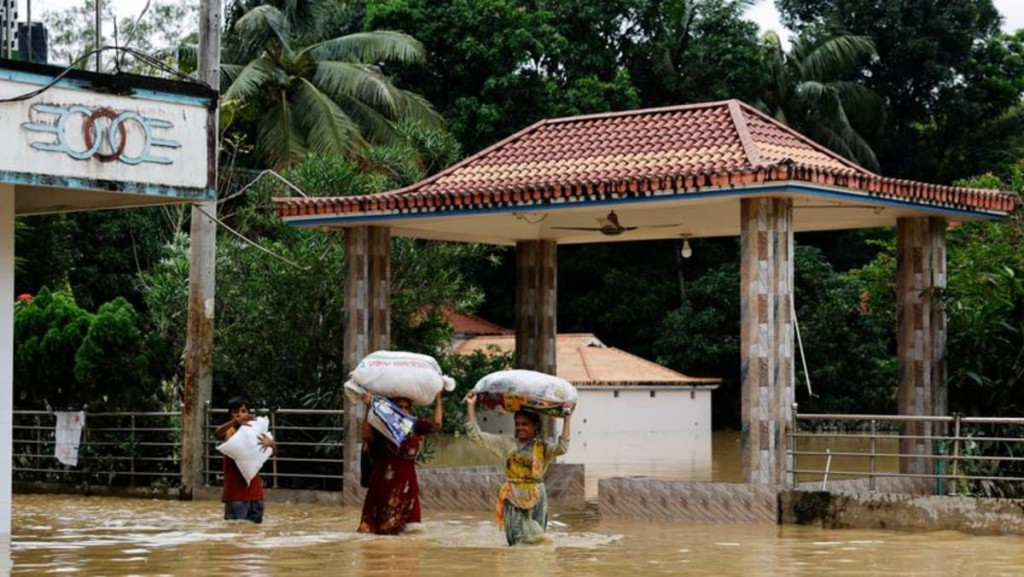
[393,495]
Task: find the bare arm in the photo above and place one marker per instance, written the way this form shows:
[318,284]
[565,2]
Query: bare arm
[222,431]
[438,412]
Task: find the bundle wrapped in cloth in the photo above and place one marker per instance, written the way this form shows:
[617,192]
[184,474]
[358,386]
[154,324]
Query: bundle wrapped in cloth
[515,390]
[398,374]
[390,420]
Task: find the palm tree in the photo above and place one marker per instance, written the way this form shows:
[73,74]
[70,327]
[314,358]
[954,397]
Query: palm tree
[807,91]
[327,98]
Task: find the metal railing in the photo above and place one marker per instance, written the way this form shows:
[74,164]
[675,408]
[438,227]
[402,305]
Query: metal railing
[309,448]
[120,449]
[143,449]
[982,456]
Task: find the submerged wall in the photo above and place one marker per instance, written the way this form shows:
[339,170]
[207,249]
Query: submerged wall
[902,512]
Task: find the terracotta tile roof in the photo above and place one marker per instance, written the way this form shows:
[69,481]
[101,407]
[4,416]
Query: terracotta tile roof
[472,325]
[639,153]
[583,360]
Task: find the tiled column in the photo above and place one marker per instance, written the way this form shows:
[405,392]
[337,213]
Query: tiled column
[536,314]
[6,360]
[367,325]
[921,338]
[766,333]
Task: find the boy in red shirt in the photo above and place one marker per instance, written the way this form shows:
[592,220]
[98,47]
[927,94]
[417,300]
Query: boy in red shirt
[241,501]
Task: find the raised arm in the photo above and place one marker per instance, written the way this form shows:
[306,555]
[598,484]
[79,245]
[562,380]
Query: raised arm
[562,446]
[497,445]
[438,412]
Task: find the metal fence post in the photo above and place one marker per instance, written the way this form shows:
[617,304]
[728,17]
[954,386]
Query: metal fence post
[956,452]
[273,427]
[133,448]
[206,444]
[791,449]
[872,463]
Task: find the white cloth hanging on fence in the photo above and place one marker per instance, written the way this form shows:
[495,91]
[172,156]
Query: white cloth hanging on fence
[69,435]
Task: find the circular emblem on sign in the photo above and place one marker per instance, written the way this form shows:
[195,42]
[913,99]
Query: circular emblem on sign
[93,135]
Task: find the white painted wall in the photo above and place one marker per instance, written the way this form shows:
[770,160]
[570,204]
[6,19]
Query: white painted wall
[6,354]
[188,167]
[667,435]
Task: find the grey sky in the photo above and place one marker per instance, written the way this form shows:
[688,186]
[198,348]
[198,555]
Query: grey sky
[767,17]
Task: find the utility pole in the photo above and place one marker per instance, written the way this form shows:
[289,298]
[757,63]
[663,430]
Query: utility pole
[99,35]
[201,288]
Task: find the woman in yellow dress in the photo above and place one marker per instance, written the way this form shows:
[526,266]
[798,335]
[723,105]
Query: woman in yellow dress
[522,507]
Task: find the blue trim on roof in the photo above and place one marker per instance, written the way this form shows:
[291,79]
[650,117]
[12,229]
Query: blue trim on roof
[303,221]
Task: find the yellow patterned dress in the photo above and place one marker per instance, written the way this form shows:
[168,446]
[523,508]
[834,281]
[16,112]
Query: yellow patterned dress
[522,507]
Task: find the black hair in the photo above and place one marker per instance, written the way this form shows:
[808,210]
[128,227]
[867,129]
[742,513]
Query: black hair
[534,417]
[238,402]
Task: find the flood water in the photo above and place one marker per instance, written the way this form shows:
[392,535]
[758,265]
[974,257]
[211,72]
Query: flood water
[110,536]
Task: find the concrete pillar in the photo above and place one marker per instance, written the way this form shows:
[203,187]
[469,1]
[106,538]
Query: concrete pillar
[921,337]
[6,358]
[536,305]
[766,335]
[367,326]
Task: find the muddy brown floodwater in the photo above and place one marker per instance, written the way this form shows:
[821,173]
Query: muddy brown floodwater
[111,536]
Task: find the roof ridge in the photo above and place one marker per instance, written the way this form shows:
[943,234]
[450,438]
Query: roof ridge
[582,352]
[739,122]
[805,139]
[624,113]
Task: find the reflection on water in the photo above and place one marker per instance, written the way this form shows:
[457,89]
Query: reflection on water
[107,536]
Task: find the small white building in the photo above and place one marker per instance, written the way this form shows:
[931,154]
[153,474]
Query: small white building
[633,416]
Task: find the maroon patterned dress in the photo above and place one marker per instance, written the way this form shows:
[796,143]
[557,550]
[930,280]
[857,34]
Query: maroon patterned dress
[393,497]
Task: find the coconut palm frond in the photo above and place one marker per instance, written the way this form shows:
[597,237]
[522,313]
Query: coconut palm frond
[353,80]
[279,138]
[261,27]
[375,128]
[329,128]
[251,82]
[414,107]
[371,47]
[832,57]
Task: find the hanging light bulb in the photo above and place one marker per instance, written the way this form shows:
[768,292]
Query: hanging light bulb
[687,252]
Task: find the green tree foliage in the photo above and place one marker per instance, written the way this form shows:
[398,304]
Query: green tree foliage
[985,308]
[326,98]
[48,332]
[160,29]
[944,70]
[121,362]
[495,66]
[67,358]
[808,91]
[94,255]
[467,370]
[278,335]
[686,51]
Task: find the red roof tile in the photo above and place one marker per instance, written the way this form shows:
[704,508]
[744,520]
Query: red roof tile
[472,325]
[637,153]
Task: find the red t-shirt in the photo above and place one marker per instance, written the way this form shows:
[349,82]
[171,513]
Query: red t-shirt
[235,488]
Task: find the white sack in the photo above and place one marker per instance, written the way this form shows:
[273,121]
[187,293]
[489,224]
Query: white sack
[399,374]
[244,447]
[529,383]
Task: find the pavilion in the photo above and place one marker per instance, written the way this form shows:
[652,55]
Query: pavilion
[714,169]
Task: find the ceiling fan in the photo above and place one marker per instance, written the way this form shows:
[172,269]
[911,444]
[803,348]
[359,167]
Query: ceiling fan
[610,226]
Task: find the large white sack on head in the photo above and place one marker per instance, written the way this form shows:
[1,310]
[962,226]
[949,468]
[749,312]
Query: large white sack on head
[528,383]
[244,447]
[401,374]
